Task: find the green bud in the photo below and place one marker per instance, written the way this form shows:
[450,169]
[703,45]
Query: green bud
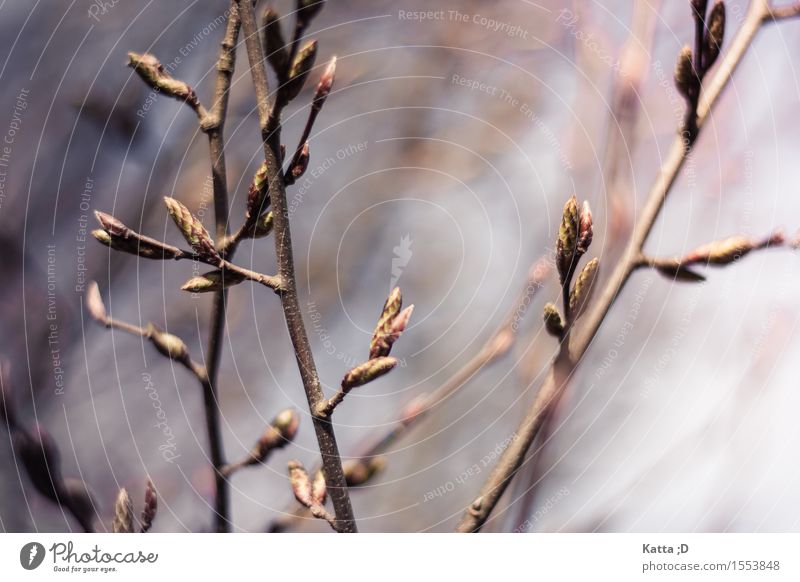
[567,245]
[192,230]
[123,513]
[584,287]
[367,372]
[152,72]
[167,344]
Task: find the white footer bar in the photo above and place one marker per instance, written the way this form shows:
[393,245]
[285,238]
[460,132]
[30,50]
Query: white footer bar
[408,557]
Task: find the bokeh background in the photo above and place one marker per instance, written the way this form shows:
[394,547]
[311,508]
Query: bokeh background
[440,163]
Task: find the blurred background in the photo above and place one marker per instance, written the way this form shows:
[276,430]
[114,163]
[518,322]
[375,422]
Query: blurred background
[440,163]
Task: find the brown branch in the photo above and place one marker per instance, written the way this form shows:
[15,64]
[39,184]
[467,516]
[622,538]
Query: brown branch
[213,125]
[269,119]
[556,381]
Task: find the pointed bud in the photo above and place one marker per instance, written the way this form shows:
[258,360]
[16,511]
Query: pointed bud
[152,72]
[123,513]
[325,84]
[584,287]
[301,160]
[567,245]
[274,45]
[553,321]
[286,423]
[258,194]
[720,252]
[358,472]
[400,322]
[306,10]
[585,228]
[150,506]
[122,238]
[685,79]
[112,225]
[379,346]
[203,284]
[712,42]
[302,65]
[382,344]
[319,490]
[192,229]
[212,281]
[367,372]
[279,434]
[167,344]
[301,484]
[94,304]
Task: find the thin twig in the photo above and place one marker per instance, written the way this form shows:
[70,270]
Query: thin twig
[194,367]
[556,381]
[269,119]
[782,12]
[213,125]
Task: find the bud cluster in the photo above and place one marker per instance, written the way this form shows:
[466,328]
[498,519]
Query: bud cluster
[311,494]
[124,521]
[574,239]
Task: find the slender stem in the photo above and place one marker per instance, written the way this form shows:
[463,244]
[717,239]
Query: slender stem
[213,125]
[781,12]
[556,381]
[270,133]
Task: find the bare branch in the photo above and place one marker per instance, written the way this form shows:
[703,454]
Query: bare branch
[269,119]
[552,389]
